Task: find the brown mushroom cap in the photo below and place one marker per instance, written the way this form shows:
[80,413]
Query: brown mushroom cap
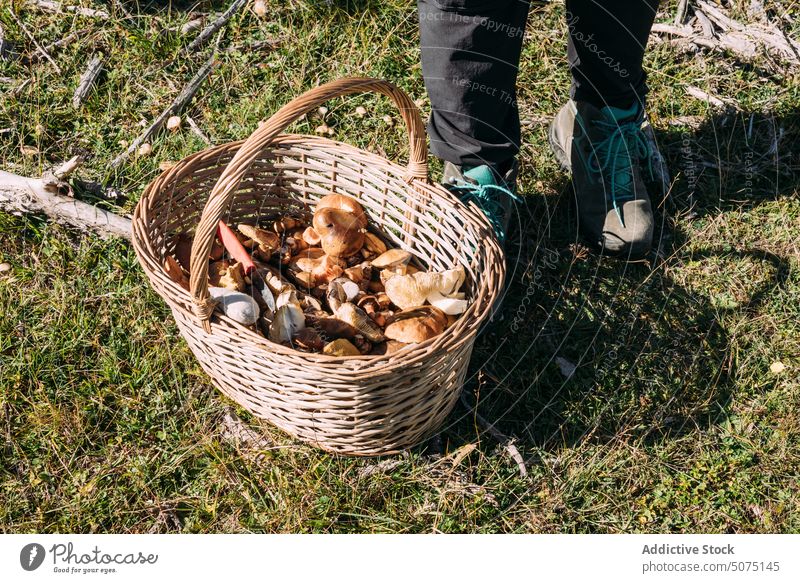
[341,232]
[414,330]
[431,312]
[268,242]
[373,244]
[311,237]
[173,269]
[391,258]
[334,328]
[309,338]
[344,203]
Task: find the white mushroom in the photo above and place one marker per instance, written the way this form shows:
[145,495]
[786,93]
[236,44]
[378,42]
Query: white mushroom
[452,305]
[237,306]
[413,289]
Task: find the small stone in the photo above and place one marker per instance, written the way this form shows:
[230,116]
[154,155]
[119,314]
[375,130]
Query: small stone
[145,149]
[361,111]
[322,129]
[388,119]
[174,123]
[260,8]
[4,267]
[777,367]
[323,111]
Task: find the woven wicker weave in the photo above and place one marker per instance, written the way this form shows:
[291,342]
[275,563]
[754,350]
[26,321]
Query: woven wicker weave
[366,405]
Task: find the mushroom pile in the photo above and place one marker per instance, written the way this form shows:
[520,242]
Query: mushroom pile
[331,287]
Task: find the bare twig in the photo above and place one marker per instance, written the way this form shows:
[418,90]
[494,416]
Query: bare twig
[53,46]
[20,194]
[30,36]
[191,26]
[175,107]
[698,93]
[196,129]
[505,441]
[680,13]
[212,28]
[22,86]
[705,24]
[88,78]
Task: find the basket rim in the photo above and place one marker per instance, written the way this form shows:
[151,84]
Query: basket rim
[405,355]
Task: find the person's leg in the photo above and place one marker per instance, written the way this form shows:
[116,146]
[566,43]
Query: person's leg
[607,39]
[470,56]
[598,134]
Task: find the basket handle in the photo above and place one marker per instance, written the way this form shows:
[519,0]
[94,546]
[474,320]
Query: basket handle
[232,175]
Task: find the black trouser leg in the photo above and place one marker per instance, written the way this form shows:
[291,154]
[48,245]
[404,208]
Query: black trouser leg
[470,56]
[606,46]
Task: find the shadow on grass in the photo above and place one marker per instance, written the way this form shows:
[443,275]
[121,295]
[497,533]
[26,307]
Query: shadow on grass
[586,348]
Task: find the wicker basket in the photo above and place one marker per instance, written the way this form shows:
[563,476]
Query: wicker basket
[366,405]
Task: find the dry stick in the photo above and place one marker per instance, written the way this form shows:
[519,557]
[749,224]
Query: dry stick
[698,93]
[176,106]
[30,36]
[88,78]
[20,194]
[680,14]
[705,24]
[722,20]
[196,129]
[505,441]
[209,31]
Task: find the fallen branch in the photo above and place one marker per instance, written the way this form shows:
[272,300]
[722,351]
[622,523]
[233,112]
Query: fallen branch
[174,108]
[505,441]
[88,78]
[212,28]
[714,29]
[20,194]
[35,42]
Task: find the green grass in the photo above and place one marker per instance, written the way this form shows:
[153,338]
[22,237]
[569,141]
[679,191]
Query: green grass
[672,420]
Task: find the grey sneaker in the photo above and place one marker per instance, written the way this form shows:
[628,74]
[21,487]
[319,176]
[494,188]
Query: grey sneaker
[603,148]
[494,195]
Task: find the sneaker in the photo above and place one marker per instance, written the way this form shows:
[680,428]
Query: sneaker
[494,194]
[604,148]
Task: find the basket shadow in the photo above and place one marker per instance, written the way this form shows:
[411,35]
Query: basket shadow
[586,348]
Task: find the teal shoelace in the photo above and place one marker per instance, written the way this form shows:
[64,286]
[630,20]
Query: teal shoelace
[483,196]
[624,145]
